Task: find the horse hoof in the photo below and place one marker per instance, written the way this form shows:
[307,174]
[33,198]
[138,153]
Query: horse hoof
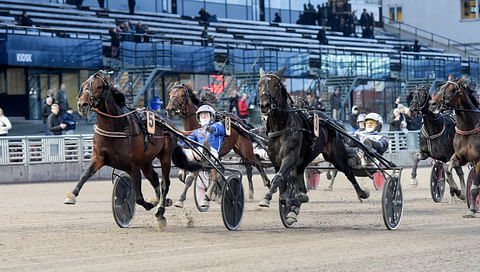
[264,203]
[304,197]
[204,203]
[291,217]
[250,197]
[329,188]
[162,223]
[364,194]
[148,206]
[414,182]
[178,204]
[71,199]
[169,202]
[470,214]
[153,201]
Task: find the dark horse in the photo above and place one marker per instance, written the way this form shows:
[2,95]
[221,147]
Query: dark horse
[436,139]
[292,144]
[457,95]
[119,141]
[184,103]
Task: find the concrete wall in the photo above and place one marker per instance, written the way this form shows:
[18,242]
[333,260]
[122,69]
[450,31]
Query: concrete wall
[442,17]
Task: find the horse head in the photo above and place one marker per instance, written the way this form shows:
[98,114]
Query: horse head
[272,93]
[95,90]
[178,100]
[451,95]
[419,100]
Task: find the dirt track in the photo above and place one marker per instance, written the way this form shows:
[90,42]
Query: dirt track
[335,232]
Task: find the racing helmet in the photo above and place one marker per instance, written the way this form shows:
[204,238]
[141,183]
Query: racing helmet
[361,118]
[377,119]
[206,108]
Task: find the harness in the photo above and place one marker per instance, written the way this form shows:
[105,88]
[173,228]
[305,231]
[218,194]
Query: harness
[431,137]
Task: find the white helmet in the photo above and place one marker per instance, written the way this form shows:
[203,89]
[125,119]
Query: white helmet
[377,118]
[206,108]
[361,118]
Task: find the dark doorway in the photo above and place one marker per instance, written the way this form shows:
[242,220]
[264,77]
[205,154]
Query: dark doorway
[261,5]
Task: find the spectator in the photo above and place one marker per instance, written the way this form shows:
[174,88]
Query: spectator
[243,107]
[50,93]
[416,46]
[354,117]
[396,121]
[131,6]
[336,104]
[5,124]
[101,3]
[234,102]
[413,123]
[115,41]
[62,99]
[318,105]
[322,36]
[371,26]
[141,31]
[55,121]
[277,19]
[70,121]
[205,36]
[25,20]
[204,15]
[46,110]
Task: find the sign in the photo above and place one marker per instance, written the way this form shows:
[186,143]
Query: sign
[22,57]
[150,122]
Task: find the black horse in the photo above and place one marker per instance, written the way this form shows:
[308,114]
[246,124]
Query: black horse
[436,139]
[292,144]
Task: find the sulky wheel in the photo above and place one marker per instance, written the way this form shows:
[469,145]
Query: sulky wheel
[123,200]
[471,178]
[392,202]
[200,188]
[284,210]
[233,203]
[437,181]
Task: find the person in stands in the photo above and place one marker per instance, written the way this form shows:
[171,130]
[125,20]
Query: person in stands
[5,124]
[243,107]
[277,19]
[25,20]
[70,121]
[55,121]
[46,111]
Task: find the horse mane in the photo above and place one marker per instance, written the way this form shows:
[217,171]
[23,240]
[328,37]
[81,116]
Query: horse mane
[471,94]
[118,96]
[195,100]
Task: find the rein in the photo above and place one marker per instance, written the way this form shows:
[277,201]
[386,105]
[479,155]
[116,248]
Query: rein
[115,116]
[280,132]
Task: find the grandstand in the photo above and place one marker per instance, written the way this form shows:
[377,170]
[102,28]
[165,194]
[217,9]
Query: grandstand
[365,69]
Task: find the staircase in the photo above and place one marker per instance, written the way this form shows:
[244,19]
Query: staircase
[332,82]
[410,85]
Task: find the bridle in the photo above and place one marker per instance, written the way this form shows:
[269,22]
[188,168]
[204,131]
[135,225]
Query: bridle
[179,105]
[416,97]
[94,100]
[444,104]
[267,93]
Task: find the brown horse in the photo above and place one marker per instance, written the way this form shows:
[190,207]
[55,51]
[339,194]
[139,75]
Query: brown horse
[120,142]
[184,103]
[456,95]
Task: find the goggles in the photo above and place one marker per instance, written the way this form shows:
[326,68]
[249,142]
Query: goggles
[370,123]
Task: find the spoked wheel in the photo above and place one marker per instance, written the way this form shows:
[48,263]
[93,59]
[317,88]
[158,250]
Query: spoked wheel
[123,200]
[233,203]
[202,180]
[392,202]
[471,178]
[437,182]
[378,180]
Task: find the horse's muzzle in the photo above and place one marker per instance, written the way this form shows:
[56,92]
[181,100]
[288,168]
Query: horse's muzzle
[434,107]
[82,108]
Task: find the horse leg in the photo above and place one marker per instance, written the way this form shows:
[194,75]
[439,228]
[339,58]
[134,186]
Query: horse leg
[417,157]
[152,177]
[287,164]
[249,169]
[137,185]
[166,162]
[460,174]
[447,167]
[333,174]
[188,182]
[95,164]
[475,187]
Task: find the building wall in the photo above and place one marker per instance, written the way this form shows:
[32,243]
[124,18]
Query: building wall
[442,17]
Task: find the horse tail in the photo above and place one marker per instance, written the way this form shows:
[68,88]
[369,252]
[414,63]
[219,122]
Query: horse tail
[180,160]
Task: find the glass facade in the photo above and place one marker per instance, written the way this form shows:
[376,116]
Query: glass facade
[355,65]
[420,66]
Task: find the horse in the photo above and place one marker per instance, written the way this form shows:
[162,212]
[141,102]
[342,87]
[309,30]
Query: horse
[456,95]
[184,103]
[436,139]
[292,144]
[121,142]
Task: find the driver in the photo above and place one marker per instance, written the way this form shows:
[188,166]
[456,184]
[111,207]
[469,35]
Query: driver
[371,137]
[210,134]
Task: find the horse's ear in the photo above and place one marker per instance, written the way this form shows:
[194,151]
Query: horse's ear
[189,84]
[262,73]
[461,80]
[281,71]
[450,77]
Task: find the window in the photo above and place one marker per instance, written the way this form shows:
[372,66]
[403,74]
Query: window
[3,89]
[469,9]
[16,81]
[391,14]
[399,14]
